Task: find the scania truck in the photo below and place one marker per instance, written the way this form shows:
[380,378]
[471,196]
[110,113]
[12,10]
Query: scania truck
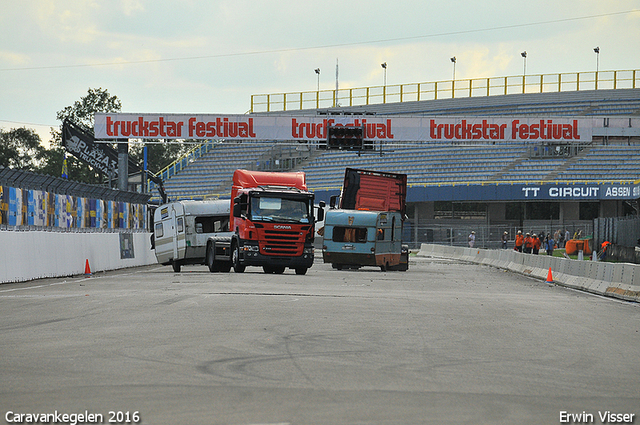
[364,225]
[271,224]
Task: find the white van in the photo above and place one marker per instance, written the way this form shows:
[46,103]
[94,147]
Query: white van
[181,230]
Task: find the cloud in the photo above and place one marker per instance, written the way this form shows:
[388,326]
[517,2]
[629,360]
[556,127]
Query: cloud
[130,7]
[14,58]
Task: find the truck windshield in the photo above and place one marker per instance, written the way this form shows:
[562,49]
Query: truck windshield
[279,210]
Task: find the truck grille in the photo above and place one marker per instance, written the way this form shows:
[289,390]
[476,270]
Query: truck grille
[282,242]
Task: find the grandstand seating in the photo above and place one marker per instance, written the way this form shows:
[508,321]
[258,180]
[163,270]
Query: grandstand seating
[614,162]
[212,172]
[442,162]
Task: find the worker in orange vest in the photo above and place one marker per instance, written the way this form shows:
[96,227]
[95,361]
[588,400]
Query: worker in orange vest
[535,244]
[603,252]
[519,241]
[528,244]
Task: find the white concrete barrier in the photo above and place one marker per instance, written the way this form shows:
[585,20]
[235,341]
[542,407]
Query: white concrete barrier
[27,255]
[619,280]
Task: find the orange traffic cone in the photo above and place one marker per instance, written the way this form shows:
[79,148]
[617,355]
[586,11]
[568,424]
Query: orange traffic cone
[87,269]
[549,276]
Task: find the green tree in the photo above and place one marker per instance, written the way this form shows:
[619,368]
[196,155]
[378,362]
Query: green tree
[81,113]
[21,148]
[159,155]
[83,110]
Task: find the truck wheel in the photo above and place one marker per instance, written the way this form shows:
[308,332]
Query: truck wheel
[301,270]
[235,259]
[278,270]
[176,266]
[211,260]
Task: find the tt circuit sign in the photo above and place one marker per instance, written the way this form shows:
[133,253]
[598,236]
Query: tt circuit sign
[580,192]
[314,128]
[524,192]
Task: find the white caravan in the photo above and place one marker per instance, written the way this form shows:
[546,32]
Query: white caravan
[181,230]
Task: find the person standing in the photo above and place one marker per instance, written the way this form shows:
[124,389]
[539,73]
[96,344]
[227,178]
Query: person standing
[549,245]
[535,244]
[528,244]
[519,241]
[505,239]
[472,239]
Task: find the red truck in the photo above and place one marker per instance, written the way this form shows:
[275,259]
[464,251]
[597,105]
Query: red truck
[271,224]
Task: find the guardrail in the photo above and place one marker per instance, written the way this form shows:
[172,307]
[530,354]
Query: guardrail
[617,280]
[447,89]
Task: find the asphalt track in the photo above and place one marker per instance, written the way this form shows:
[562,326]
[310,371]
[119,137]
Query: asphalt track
[444,343]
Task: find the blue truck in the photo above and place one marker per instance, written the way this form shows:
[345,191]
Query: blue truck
[363,227]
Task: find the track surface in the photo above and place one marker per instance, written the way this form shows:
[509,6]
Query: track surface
[445,342]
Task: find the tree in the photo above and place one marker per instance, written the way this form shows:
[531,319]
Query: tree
[83,110]
[159,155]
[21,148]
[80,113]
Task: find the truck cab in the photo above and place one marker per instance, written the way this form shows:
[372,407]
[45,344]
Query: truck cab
[272,225]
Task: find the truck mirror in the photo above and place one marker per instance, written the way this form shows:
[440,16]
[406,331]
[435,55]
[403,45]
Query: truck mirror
[333,201]
[237,210]
[322,204]
[320,215]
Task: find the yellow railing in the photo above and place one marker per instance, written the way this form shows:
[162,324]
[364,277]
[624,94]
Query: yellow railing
[182,162]
[475,87]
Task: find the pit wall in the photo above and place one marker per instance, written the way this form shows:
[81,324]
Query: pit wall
[27,255]
[618,280]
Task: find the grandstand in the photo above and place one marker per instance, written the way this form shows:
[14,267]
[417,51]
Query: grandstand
[427,163]
[456,185]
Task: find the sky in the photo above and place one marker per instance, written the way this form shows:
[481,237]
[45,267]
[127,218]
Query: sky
[210,56]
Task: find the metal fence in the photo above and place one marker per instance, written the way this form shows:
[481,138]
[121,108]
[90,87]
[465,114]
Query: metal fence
[621,231]
[488,236]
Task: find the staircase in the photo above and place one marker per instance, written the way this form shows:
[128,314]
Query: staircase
[569,162]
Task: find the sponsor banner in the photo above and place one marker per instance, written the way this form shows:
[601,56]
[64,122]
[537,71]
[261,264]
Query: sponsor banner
[572,192]
[100,157]
[510,193]
[79,143]
[523,192]
[110,126]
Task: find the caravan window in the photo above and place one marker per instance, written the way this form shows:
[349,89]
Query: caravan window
[212,224]
[159,230]
[349,234]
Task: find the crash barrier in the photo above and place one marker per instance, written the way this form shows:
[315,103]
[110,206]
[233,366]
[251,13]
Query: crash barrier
[618,280]
[27,255]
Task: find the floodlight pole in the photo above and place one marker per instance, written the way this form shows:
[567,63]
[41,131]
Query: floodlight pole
[597,51]
[384,87]
[453,81]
